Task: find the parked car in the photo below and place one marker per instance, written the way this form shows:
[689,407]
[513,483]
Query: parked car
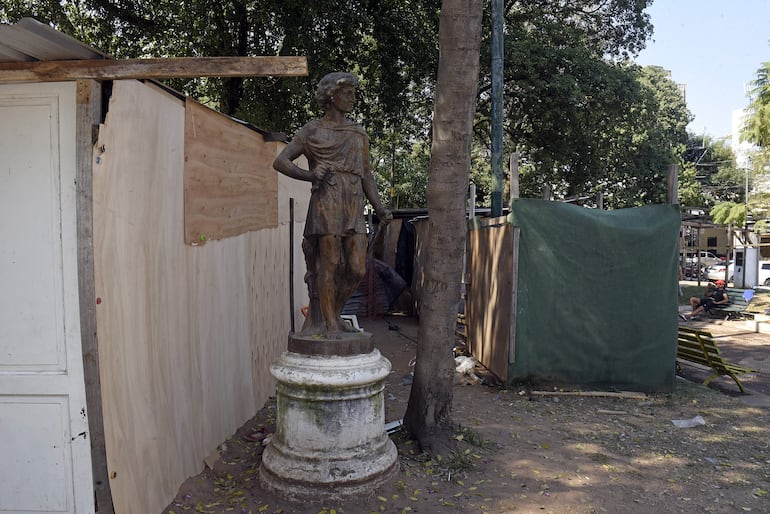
[706,258]
[763,273]
[717,271]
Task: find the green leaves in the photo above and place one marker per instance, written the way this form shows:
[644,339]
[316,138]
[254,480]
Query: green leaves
[584,119]
[757,125]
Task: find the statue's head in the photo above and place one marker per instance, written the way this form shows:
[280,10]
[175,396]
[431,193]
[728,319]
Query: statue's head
[329,85]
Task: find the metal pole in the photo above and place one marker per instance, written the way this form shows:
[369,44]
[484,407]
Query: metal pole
[497,108]
[393,198]
[730,252]
[472,202]
[746,215]
[291,262]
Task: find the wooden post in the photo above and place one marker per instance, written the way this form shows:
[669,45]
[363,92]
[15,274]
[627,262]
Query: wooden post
[515,233]
[673,184]
[89,99]
[514,171]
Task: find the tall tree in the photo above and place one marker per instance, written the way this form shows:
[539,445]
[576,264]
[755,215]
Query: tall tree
[560,79]
[429,412]
[646,139]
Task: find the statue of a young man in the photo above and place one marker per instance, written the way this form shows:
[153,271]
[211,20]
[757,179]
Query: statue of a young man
[335,242]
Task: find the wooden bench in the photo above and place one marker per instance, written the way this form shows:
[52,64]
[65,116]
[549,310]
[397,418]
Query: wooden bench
[699,347]
[737,306]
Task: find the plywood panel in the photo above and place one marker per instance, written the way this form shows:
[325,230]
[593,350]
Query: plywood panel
[186,333]
[229,181]
[488,306]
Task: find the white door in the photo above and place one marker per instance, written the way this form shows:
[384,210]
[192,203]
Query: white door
[45,459]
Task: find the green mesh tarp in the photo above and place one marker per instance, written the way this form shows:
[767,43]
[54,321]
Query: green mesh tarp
[597,296]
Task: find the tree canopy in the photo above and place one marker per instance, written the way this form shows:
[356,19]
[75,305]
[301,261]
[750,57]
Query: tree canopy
[709,173]
[583,118]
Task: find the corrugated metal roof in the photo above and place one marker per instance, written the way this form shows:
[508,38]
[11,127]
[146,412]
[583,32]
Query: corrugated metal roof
[30,40]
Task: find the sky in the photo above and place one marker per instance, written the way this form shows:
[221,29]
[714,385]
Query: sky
[714,48]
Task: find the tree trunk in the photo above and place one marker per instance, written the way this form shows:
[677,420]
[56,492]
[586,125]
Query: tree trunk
[428,415]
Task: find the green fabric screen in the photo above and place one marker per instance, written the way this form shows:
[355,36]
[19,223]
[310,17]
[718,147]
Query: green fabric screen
[597,296]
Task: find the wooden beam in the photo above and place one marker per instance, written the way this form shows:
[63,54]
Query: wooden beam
[165,68]
[89,100]
[630,395]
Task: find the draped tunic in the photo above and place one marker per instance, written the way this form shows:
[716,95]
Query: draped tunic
[337,202]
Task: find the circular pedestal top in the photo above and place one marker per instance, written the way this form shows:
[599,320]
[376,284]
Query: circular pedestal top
[349,343]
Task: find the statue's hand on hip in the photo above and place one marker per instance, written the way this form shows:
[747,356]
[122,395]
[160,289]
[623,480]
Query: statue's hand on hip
[385,215]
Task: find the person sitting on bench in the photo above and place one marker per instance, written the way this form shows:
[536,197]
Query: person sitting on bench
[713,298]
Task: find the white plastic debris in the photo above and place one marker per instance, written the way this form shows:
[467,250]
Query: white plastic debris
[465,364]
[394,426]
[689,423]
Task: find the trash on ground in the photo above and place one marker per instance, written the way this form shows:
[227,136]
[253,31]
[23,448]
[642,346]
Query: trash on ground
[394,426]
[465,371]
[689,423]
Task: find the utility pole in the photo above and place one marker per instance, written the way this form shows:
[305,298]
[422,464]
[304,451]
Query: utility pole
[497,108]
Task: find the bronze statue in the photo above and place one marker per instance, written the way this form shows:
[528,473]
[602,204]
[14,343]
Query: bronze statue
[335,242]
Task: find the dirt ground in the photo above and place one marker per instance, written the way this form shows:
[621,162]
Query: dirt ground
[523,451]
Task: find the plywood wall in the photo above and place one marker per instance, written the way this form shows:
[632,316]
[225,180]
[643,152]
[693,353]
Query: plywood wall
[230,186]
[186,333]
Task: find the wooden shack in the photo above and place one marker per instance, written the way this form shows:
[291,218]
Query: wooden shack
[146,258]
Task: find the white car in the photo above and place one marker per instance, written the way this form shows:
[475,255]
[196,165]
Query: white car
[706,258]
[717,271]
[763,273]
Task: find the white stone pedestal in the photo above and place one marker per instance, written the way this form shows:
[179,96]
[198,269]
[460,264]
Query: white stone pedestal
[330,441]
